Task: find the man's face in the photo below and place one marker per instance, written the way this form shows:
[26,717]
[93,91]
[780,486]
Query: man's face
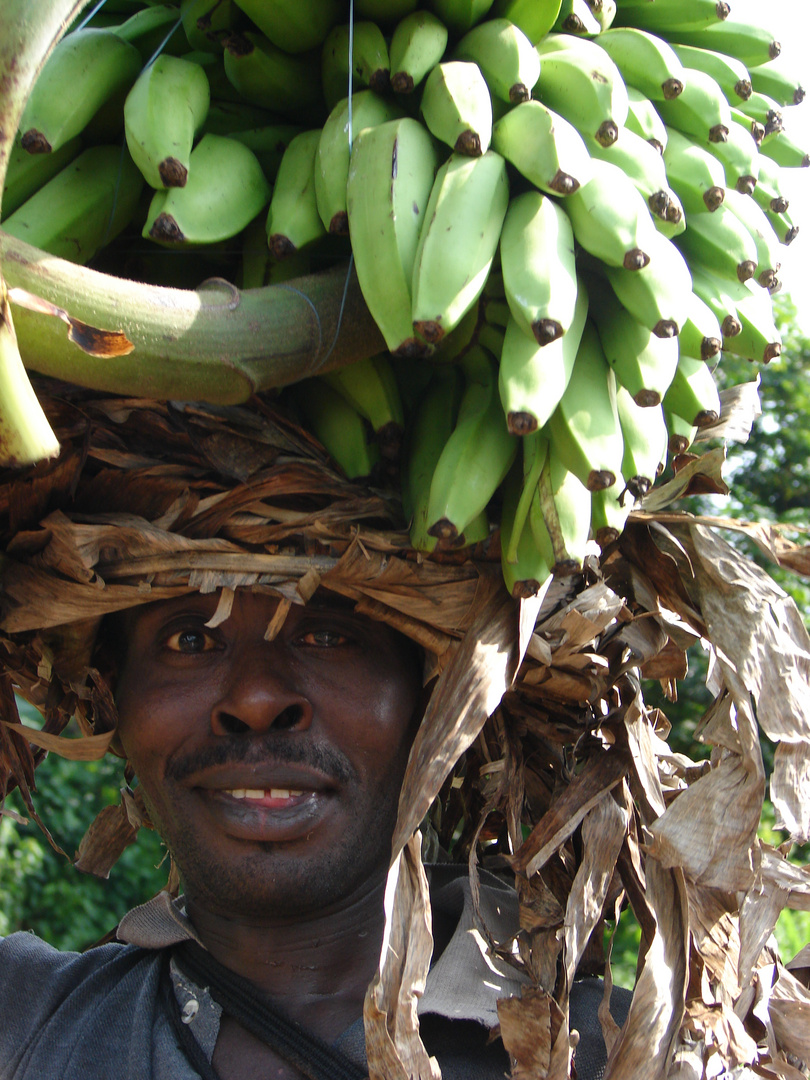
[272,769]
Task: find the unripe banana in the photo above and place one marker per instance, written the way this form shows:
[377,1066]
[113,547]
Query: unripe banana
[782,149]
[334,152]
[457,108]
[768,194]
[538,266]
[344,433]
[610,219]
[701,334]
[85,69]
[458,241]
[580,81]
[370,64]
[576,17]
[644,166]
[695,174]
[658,294]
[163,113]
[561,511]
[225,190]
[268,144]
[736,36]
[155,30]
[759,338]
[294,25]
[506,57]
[681,434]
[729,72]
[531,378]
[584,428]
[385,12]
[701,110]
[525,563]
[778,80]
[643,119]
[534,17]
[266,76]
[388,191]
[293,221]
[692,394]
[433,422]
[83,207]
[476,457]
[610,509]
[544,147]
[739,157]
[645,436]
[206,22]
[643,363]
[720,243]
[665,16]
[764,110]
[769,255]
[715,292]
[417,46]
[460,15]
[646,62]
[27,173]
[370,387]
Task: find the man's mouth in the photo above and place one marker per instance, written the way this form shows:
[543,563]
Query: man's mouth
[259,794]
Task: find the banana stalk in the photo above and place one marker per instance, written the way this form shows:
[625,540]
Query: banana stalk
[215,344]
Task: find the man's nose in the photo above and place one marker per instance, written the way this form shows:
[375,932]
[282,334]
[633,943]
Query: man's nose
[261,693]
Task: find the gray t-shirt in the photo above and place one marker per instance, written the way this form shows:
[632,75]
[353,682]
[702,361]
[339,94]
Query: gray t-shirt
[71,1016]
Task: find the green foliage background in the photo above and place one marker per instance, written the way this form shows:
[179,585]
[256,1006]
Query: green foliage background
[770,479]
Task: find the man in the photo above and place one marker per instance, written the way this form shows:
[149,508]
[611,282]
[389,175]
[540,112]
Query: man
[272,769]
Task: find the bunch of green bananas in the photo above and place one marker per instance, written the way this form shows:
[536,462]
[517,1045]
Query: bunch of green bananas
[560,212]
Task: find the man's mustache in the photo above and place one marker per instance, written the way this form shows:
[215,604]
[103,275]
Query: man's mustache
[282,748]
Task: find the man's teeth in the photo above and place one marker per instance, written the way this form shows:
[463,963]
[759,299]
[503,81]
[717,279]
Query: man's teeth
[254,793]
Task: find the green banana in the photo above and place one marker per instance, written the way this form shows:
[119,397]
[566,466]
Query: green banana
[505,56]
[778,80]
[715,292]
[344,433]
[544,147]
[385,12]
[293,221]
[664,16]
[610,218]
[433,422]
[268,144]
[580,81]
[681,434]
[85,69]
[227,117]
[643,363]
[720,243]
[27,173]
[538,266]
[294,25]
[334,151]
[387,197]
[752,127]
[370,387]
[458,241]
[457,108]
[782,149]
[266,76]
[206,21]
[560,514]
[605,12]
[459,16]
[26,436]
[645,437]
[701,110]
[225,190]
[258,268]
[758,338]
[643,119]
[477,455]
[658,294]
[610,510]
[764,110]
[584,428]
[695,174]
[83,207]
[644,166]
[769,192]
[525,563]
[576,17]
[769,256]
[729,72]
[646,62]
[163,113]
[692,394]
[739,156]
[417,46]
[534,17]
[751,43]
[701,334]
[531,378]
[154,30]
[520,488]
[370,64]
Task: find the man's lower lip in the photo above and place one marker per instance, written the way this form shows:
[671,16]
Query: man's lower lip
[269,818]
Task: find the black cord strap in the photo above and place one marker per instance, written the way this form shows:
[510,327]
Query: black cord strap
[239,999]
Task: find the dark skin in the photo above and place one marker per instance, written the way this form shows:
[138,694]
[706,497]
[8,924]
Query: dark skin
[272,770]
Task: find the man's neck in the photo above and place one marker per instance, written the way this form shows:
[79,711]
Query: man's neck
[316,969]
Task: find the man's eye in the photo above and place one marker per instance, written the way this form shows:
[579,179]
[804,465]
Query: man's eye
[189,641]
[324,638]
